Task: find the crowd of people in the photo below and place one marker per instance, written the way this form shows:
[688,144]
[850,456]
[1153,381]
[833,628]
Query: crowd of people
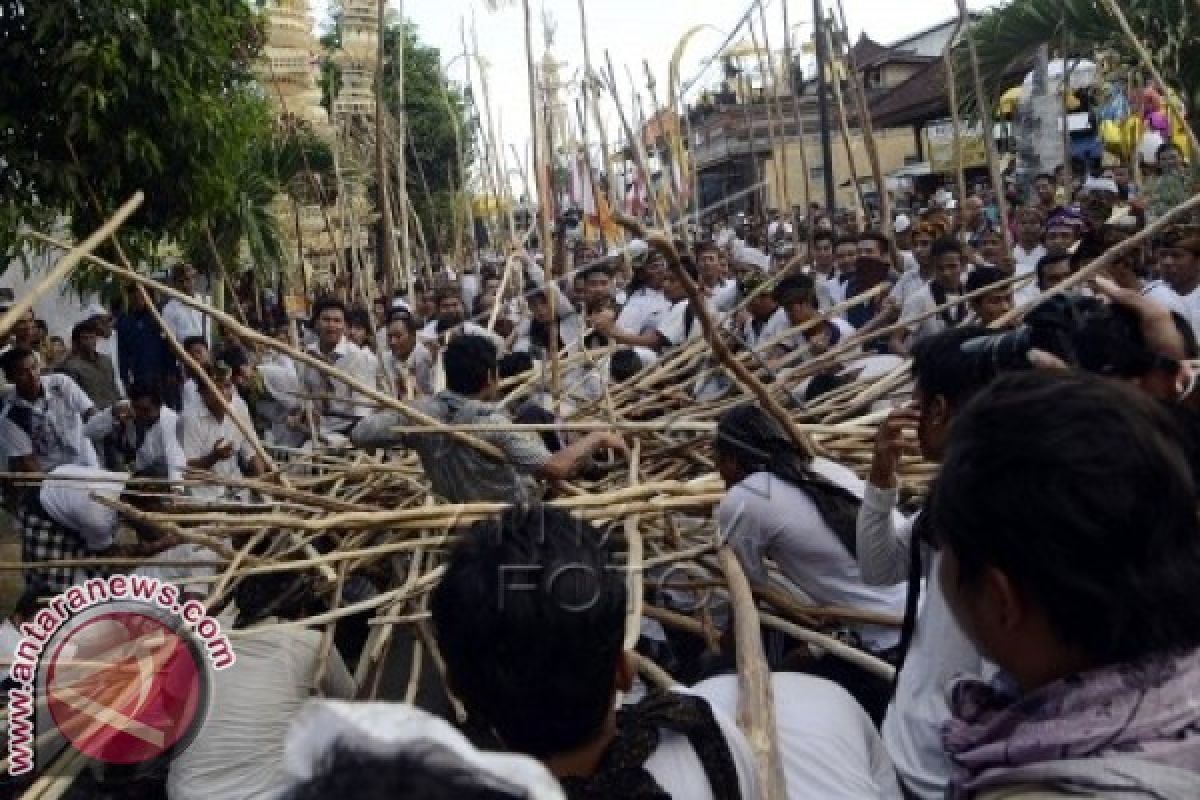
[1048,585]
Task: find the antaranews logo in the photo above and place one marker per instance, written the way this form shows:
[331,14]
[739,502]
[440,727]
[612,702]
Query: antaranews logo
[116,667]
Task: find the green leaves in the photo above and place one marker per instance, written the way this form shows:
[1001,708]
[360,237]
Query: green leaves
[154,95]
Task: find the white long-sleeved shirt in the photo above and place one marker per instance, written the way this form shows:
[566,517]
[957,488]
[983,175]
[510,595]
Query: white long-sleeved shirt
[159,444]
[185,321]
[764,517]
[939,654]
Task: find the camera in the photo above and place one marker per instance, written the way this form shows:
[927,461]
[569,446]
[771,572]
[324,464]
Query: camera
[1083,331]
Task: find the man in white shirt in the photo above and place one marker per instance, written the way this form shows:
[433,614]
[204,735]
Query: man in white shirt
[845,255]
[143,428]
[946,285]
[823,268]
[337,407]
[890,550]
[530,616]
[676,326]
[797,296]
[722,293]
[645,303]
[1029,248]
[1179,263]
[183,320]
[238,753]
[42,418]
[212,442]
[409,364]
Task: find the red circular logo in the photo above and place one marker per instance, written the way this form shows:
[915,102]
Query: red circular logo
[124,687]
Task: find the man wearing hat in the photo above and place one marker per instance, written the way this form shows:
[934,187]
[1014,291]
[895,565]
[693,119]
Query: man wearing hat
[106,338]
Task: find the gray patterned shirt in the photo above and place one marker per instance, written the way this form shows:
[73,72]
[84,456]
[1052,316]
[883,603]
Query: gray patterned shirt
[459,472]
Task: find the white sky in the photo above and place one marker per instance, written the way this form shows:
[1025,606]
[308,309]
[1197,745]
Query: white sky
[631,30]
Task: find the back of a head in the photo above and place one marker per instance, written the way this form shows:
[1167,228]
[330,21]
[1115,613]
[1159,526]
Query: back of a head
[984,276]
[470,360]
[625,363]
[512,364]
[1078,490]
[406,775]
[530,620]
[942,369]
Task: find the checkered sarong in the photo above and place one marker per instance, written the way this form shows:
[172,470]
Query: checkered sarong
[43,539]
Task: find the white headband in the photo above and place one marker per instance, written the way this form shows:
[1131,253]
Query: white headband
[384,729]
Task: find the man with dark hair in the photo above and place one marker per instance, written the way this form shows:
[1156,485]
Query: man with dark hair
[889,549]
[144,433]
[1045,188]
[989,306]
[678,325]
[42,418]
[597,286]
[358,327]
[721,291]
[183,320]
[142,353]
[874,244]
[1066,519]
[336,407]
[797,296]
[91,370]
[408,362]
[1052,269]
[459,472]
[845,255]
[213,442]
[944,287]
[530,617]
[1179,263]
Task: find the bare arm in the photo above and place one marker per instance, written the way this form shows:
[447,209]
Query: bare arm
[568,461]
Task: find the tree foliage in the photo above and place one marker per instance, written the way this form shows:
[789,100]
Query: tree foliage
[1008,36]
[112,96]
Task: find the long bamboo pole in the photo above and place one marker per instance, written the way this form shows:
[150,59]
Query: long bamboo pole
[385,248]
[987,122]
[868,132]
[67,263]
[844,125]
[756,695]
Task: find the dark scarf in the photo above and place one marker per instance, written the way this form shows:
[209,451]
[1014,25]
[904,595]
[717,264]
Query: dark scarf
[954,316]
[622,773]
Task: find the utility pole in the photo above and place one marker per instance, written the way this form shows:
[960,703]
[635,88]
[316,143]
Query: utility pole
[823,104]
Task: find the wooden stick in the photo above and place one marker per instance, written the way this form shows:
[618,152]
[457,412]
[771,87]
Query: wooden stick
[67,263]
[756,701]
[988,123]
[955,117]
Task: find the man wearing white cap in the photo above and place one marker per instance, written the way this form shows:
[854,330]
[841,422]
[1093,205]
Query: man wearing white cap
[106,341]
[902,228]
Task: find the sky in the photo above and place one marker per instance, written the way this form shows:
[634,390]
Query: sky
[631,30]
